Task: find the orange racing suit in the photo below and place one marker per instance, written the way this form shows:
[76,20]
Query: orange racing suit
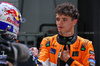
[81,52]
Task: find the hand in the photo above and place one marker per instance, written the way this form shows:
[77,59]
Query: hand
[65,54]
[34,51]
[9,63]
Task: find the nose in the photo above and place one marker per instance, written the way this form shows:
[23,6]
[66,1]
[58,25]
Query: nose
[60,21]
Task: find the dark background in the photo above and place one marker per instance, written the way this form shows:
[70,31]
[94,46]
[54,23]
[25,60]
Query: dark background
[89,23]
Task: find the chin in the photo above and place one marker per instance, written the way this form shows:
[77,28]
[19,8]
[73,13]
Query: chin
[60,32]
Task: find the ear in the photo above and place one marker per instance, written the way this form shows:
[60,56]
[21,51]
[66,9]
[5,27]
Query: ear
[75,21]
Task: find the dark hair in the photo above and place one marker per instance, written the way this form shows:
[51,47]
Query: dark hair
[67,9]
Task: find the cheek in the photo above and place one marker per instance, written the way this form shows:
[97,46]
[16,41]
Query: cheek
[57,24]
[68,25]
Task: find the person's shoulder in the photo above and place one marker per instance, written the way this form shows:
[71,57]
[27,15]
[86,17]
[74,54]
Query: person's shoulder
[84,40]
[47,40]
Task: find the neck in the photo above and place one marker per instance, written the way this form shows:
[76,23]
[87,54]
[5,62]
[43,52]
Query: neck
[67,34]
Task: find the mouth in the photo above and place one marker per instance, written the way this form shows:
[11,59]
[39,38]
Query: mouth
[59,27]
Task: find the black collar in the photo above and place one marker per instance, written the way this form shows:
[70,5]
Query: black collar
[66,40]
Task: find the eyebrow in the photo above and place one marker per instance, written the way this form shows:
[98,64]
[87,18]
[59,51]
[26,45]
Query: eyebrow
[64,18]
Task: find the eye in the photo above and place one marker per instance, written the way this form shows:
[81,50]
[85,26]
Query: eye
[64,19]
[57,19]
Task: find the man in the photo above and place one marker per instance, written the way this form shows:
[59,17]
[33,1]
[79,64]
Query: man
[66,48]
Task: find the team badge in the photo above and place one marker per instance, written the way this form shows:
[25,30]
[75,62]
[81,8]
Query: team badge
[53,51]
[48,44]
[82,48]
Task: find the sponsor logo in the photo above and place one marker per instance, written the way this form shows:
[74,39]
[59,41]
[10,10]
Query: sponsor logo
[75,47]
[11,11]
[91,52]
[91,60]
[91,57]
[75,53]
[68,42]
[13,22]
[54,45]
[91,64]
[53,51]
[13,18]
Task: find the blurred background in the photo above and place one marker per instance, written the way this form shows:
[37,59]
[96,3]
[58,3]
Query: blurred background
[40,21]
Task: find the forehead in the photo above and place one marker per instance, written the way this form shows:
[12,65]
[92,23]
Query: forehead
[62,16]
